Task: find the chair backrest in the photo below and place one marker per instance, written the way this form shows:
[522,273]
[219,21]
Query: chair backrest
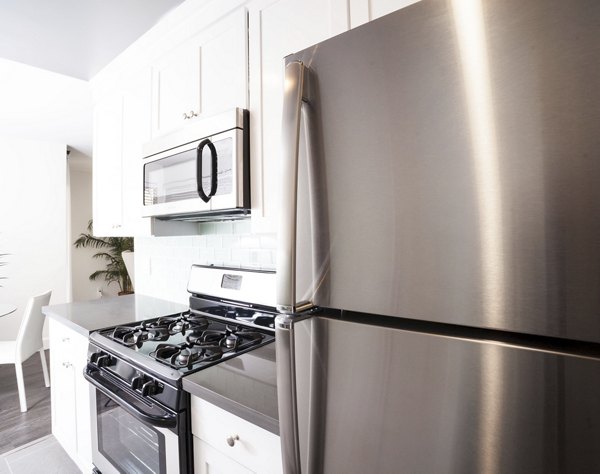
[29,339]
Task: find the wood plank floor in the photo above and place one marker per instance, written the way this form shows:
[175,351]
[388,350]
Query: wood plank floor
[18,428]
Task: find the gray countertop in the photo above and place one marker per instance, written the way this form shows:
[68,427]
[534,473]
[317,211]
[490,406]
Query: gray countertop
[88,316]
[245,385]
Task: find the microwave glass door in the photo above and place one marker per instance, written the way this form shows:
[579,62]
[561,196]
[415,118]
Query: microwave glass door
[229,156]
[173,178]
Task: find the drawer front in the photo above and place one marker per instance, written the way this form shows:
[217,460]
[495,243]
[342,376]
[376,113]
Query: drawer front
[208,460]
[253,447]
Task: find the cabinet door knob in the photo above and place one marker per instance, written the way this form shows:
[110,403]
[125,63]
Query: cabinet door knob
[232,439]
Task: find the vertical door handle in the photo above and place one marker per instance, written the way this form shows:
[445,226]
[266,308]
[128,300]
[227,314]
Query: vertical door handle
[295,77]
[286,394]
[213,184]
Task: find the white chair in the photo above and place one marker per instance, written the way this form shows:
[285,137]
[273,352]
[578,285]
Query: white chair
[29,341]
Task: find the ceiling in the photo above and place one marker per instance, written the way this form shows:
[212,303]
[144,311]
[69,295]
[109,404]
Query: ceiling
[74,37]
[49,49]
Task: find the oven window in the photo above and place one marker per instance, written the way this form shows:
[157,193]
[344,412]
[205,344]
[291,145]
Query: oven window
[129,444]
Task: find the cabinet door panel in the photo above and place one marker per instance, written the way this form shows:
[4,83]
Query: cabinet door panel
[207,460]
[277,29]
[62,388]
[224,62]
[108,135]
[363,11]
[204,75]
[177,88]
[137,131]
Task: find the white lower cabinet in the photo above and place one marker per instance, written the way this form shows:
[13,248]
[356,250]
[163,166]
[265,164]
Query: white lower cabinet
[225,443]
[208,460]
[70,393]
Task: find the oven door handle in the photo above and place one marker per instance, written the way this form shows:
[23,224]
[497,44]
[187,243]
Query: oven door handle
[169,420]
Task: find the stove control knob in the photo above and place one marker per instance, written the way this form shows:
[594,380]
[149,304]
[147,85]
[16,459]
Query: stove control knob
[105,361]
[94,357]
[137,382]
[150,388]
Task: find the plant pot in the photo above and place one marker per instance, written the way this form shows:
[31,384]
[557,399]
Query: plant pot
[130,265]
[121,293]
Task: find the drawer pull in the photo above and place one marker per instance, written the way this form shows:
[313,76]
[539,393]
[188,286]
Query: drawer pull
[66,339]
[232,439]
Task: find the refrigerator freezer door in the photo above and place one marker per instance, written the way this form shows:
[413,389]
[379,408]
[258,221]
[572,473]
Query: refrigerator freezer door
[459,144]
[376,399]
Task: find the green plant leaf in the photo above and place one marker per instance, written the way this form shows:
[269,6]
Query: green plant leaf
[115,271]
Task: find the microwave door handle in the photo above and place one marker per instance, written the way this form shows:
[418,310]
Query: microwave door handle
[213,187]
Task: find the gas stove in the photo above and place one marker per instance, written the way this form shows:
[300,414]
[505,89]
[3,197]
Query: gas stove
[193,340]
[229,314]
[137,368]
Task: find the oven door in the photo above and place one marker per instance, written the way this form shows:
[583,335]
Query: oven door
[130,434]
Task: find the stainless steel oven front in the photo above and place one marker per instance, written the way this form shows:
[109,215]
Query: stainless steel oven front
[133,432]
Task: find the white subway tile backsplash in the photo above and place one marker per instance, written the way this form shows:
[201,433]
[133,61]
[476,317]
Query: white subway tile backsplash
[250,241]
[223,255]
[163,263]
[242,227]
[268,241]
[230,241]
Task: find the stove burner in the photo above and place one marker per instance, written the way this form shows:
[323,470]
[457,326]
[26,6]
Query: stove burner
[159,329]
[231,341]
[183,355]
[137,335]
[208,345]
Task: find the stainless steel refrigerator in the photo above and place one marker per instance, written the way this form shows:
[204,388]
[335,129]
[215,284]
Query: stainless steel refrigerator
[439,243]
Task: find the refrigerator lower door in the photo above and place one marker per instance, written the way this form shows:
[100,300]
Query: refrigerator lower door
[382,400]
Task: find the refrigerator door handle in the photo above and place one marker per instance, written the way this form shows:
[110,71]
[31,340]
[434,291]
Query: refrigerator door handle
[286,394]
[295,88]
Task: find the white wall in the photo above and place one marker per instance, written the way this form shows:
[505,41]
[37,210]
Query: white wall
[82,263]
[33,224]
[162,264]
[42,105]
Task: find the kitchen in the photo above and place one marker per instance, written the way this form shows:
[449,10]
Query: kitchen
[206,58]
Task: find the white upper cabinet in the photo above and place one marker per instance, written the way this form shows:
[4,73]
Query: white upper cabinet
[204,75]
[363,11]
[107,169]
[277,29]
[136,131]
[121,125]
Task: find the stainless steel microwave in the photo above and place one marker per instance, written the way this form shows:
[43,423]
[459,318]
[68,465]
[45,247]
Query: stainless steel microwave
[201,172]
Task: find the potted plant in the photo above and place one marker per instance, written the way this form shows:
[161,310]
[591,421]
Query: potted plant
[112,248]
